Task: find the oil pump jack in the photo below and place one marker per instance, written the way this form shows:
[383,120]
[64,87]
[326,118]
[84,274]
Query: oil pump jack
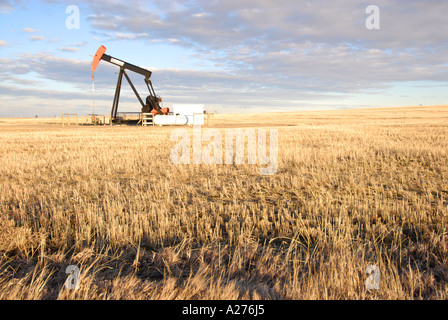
[152,103]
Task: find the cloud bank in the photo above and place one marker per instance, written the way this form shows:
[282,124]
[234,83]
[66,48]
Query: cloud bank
[264,53]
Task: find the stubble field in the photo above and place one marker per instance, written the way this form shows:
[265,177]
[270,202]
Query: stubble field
[353,188]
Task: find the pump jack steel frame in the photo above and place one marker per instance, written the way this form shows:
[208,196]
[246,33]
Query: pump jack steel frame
[152,101]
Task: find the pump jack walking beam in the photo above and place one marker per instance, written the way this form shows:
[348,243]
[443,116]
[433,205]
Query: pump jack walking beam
[152,101]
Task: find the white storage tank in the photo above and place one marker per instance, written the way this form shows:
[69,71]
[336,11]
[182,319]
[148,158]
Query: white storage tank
[193,112]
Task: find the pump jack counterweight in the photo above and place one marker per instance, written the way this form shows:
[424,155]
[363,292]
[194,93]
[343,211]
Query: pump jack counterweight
[152,102]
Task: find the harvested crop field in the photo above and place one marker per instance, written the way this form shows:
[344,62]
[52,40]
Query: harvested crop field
[353,189]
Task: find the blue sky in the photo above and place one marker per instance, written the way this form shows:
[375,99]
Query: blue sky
[232,56]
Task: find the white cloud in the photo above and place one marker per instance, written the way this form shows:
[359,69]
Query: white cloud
[80,44]
[29,30]
[37,38]
[3,43]
[69,49]
[129,36]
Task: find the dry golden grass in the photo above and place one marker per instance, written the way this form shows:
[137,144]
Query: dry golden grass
[353,188]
